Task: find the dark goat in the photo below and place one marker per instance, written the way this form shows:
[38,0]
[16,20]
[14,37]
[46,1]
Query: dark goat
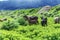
[44,21]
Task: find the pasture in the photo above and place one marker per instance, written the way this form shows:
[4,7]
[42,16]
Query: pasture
[16,28]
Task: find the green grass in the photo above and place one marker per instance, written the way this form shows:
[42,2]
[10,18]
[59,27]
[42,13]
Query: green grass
[33,32]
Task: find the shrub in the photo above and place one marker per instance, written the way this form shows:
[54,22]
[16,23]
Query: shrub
[9,25]
[31,10]
[1,38]
[6,38]
[52,37]
[22,21]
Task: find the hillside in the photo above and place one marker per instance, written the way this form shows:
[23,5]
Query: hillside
[16,28]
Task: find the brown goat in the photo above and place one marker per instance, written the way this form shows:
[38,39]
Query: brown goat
[31,19]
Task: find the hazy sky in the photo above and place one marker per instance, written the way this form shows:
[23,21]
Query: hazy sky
[7,4]
[3,0]
[21,0]
[17,0]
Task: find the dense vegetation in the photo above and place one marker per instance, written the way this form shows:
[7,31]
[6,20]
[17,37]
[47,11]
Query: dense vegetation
[16,28]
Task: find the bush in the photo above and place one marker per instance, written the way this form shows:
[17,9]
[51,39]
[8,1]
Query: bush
[9,25]
[52,37]
[6,38]
[1,38]
[22,21]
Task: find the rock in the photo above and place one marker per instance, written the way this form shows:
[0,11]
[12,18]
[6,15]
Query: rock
[44,9]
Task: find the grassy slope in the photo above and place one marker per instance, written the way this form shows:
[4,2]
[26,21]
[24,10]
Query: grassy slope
[33,32]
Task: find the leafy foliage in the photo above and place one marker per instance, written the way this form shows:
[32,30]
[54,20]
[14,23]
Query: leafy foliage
[22,21]
[9,25]
[18,29]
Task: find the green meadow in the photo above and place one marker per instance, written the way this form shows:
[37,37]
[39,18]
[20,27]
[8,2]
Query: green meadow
[16,28]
